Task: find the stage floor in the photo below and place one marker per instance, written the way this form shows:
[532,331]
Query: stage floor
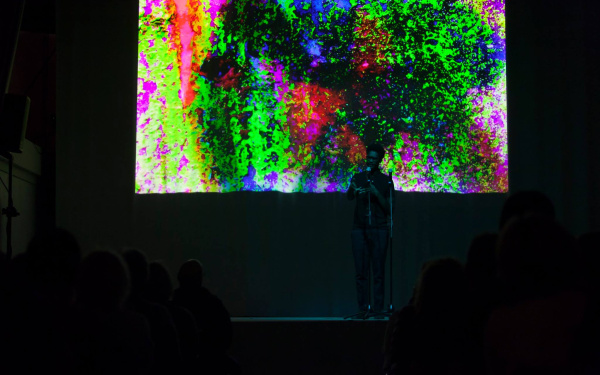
[308,345]
[303,319]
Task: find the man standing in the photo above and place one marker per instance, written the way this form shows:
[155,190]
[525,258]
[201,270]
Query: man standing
[370,230]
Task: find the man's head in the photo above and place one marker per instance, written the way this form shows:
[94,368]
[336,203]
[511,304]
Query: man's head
[524,203]
[191,273]
[375,154]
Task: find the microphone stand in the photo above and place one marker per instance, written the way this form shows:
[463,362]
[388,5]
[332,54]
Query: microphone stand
[391,190]
[391,195]
[369,194]
[368,255]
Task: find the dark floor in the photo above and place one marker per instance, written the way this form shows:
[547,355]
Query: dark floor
[331,346]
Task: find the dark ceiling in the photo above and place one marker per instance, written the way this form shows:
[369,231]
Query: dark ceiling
[39,16]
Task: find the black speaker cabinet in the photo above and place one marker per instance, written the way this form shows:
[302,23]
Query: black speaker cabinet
[13,122]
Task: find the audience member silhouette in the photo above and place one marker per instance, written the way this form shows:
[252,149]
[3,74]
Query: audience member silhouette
[588,343]
[535,328]
[167,354]
[480,271]
[212,318]
[431,336]
[107,338]
[482,289]
[536,258]
[39,298]
[524,203]
[52,259]
[159,290]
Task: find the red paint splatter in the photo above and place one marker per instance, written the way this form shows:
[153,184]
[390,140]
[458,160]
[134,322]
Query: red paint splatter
[371,45]
[351,144]
[229,80]
[311,109]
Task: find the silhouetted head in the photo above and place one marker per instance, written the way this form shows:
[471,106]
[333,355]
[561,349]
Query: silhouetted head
[377,148]
[53,257]
[375,154]
[441,289]
[191,273]
[526,203]
[536,257]
[103,282]
[137,263]
[160,286]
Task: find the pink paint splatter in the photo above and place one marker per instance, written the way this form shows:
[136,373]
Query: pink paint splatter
[143,60]
[183,162]
[185,36]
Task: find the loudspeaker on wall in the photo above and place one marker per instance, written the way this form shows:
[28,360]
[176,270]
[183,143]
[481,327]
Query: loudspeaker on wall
[13,122]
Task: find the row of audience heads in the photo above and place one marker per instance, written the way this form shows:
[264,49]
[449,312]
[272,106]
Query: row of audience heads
[103,279]
[531,256]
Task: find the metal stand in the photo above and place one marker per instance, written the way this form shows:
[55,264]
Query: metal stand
[391,193]
[369,196]
[392,190]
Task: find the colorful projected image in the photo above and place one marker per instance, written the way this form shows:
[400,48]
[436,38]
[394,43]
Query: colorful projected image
[285,95]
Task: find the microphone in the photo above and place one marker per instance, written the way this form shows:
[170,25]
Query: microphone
[369,175]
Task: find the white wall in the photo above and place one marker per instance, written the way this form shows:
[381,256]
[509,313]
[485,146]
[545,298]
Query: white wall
[26,174]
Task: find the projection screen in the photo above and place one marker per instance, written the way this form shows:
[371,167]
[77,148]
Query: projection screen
[285,95]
